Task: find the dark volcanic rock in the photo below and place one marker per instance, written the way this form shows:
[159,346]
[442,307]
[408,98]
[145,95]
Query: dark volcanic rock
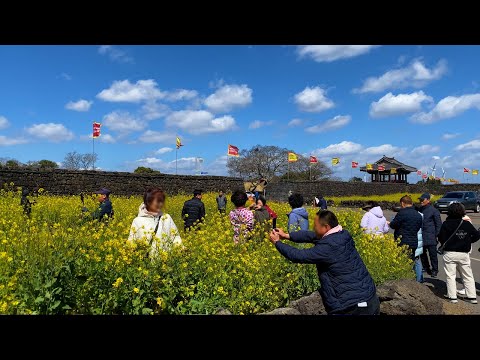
[408,297]
[309,305]
[283,311]
[223,312]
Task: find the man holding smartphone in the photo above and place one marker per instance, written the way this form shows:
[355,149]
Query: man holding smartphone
[347,287]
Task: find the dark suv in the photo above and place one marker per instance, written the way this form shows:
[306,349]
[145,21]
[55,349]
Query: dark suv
[469,199]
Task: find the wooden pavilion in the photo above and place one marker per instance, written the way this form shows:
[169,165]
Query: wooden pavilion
[388,170]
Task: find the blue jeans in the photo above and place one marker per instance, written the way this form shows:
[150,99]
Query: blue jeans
[418,269]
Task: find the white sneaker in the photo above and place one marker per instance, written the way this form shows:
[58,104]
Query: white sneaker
[453,301]
[462,292]
[472,301]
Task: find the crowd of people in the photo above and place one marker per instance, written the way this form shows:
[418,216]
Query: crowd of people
[420,228]
[346,285]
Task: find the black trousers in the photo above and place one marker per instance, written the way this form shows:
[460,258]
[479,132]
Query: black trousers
[372,308]
[433,255]
[222,211]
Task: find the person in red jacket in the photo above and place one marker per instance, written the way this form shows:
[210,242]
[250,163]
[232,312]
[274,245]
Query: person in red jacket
[273,214]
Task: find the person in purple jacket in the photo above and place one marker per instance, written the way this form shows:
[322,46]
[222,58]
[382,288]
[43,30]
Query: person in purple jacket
[373,222]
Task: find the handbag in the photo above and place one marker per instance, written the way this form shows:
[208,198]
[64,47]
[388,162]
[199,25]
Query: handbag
[441,250]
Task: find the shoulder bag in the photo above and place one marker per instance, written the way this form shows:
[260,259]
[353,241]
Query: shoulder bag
[153,236]
[441,250]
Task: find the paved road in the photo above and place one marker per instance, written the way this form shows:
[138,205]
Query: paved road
[439,283]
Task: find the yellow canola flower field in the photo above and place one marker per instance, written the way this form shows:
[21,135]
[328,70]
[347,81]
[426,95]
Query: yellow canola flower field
[56,262]
[394,198]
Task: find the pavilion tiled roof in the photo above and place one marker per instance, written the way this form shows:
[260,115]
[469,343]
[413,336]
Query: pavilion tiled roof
[389,163]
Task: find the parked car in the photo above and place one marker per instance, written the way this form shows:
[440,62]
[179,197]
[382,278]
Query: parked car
[469,199]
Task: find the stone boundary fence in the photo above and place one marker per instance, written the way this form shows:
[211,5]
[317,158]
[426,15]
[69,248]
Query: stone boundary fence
[69,182]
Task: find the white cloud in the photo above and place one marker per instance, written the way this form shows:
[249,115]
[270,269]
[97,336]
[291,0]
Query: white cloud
[123,122]
[65,76]
[200,122]
[9,141]
[153,110]
[313,99]
[471,145]
[104,138]
[258,124]
[425,149]
[385,149]
[395,105]
[416,74]
[337,122]
[4,123]
[151,136]
[448,136]
[435,157]
[167,166]
[295,122]
[115,54]
[163,150]
[125,91]
[343,148]
[107,139]
[80,105]
[448,107]
[328,53]
[229,97]
[181,94]
[51,132]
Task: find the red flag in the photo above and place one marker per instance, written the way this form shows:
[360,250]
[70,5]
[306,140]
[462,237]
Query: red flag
[381,168]
[96,129]
[419,172]
[424,176]
[354,164]
[232,151]
[313,159]
[465,170]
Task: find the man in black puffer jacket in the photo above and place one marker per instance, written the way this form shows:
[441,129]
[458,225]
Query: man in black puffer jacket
[406,224]
[346,285]
[432,223]
[193,210]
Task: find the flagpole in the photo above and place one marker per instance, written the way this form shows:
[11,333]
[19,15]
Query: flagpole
[351,171]
[93,142]
[176,159]
[310,171]
[288,170]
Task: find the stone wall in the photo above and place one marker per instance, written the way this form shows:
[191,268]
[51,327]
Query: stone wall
[279,191]
[66,182]
[122,183]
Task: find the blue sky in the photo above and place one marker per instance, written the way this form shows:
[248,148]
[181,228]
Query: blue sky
[417,103]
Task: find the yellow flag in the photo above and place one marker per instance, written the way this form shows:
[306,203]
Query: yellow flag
[474,172]
[393,170]
[292,157]
[179,143]
[335,161]
[369,166]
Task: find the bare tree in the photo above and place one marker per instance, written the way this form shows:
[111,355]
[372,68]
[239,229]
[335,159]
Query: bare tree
[259,162]
[72,161]
[302,170]
[87,160]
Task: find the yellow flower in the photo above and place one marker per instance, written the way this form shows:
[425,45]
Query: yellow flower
[117,282]
[136,290]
